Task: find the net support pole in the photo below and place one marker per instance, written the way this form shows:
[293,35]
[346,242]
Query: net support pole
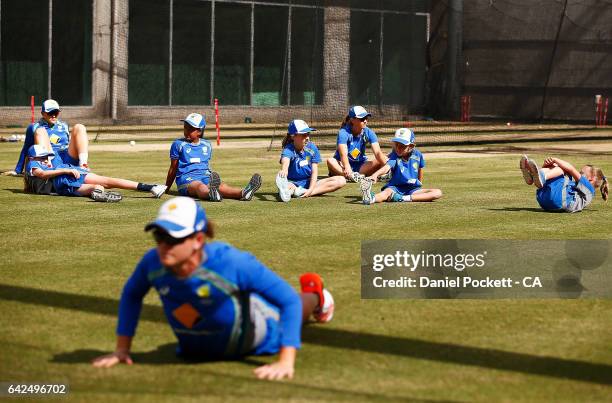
[217,121]
[454,56]
[32,107]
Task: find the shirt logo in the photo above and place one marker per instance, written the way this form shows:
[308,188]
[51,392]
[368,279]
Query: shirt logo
[164,290]
[188,150]
[187,315]
[54,139]
[204,291]
[415,166]
[355,153]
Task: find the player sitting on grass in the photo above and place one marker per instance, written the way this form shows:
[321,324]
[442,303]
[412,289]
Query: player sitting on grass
[47,174]
[405,165]
[561,187]
[299,161]
[189,165]
[53,134]
[220,302]
[350,159]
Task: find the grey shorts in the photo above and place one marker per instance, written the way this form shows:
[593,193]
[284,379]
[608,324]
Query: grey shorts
[260,312]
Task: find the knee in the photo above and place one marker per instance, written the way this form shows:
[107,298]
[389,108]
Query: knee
[437,193]
[340,181]
[79,129]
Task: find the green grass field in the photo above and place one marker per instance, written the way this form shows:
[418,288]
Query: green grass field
[64,262]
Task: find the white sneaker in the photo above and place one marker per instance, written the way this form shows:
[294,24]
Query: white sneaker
[524,166]
[11,173]
[536,173]
[367,196]
[299,191]
[158,190]
[357,177]
[105,196]
[283,188]
[325,313]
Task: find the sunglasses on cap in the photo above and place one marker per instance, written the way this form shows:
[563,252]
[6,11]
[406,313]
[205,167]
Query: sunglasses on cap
[164,237]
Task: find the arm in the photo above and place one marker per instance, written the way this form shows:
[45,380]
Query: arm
[380,171]
[52,173]
[130,306]
[421,175]
[284,171]
[378,154]
[284,367]
[346,167]
[171,173]
[564,165]
[29,141]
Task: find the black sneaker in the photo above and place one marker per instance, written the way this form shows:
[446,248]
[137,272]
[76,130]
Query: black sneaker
[250,189]
[105,196]
[213,187]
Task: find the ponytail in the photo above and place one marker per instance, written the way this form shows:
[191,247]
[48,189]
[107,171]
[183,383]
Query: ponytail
[601,181]
[287,140]
[346,121]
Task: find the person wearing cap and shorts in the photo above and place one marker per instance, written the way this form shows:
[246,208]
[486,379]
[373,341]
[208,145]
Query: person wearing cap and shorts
[350,159]
[47,174]
[299,161]
[189,166]
[406,165]
[221,302]
[52,133]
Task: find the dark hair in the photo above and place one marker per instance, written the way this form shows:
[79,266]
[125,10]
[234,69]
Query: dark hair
[210,230]
[346,121]
[287,140]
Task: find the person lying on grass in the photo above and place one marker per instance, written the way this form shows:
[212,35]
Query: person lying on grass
[560,186]
[189,166]
[299,161]
[47,174]
[220,302]
[405,165]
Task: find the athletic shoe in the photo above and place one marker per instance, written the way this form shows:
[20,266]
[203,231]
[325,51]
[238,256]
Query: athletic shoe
[396,197]
[11,173]
[100,195]
[536,173]
[283,188]
[213,187]
[312,283]
[251,187]
[386,177]
[158,190]
[367,195]
[357,177]
[524,165]
[299,191]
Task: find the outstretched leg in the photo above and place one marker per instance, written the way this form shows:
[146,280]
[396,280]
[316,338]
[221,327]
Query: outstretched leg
[328,185]
[425,195]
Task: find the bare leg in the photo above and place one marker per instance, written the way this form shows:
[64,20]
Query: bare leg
[328,185]
[383,196]
[93,179]
[426,195]
[85,190]
[369,167]
[550,173]
[198,189]
[42,137]
[310,302]
[334,167]
[79,143]
[230,192]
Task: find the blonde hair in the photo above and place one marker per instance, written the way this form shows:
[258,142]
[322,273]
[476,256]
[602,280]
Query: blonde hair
[600,181]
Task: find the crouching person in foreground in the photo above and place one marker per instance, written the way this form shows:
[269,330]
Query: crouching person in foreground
[221,302]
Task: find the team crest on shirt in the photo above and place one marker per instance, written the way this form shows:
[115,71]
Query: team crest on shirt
[188,150]
[415,166]
[54,139]
[203,291]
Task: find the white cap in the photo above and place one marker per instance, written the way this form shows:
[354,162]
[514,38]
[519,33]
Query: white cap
[298,126]
[50,105]
[180,217]
[195,120]
[404,136]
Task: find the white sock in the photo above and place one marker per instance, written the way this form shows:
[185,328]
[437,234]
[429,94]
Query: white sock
[83,158]
[407,198]
[299,191]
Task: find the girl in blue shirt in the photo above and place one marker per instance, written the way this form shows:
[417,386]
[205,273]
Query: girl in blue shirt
[220,302]
[406,165]
[561,187]
[46,174]
[189,166]
[350,159]
[299,161]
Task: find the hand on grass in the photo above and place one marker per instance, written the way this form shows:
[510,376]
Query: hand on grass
[275,371]
[110,360]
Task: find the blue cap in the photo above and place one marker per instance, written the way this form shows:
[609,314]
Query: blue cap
[180,217]
[298,126]
[50,105]
[358,112]
[195,120]
[38,151]
[404,136]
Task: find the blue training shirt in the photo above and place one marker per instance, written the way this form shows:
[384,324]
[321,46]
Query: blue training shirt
[555,190]
[405,172]
[191,157]
[65,184]
[356,145]
[59,136]
[205,310]
[300,162]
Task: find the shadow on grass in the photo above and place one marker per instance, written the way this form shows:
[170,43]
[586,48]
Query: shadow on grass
[19,191]
[337,338]
[531,209]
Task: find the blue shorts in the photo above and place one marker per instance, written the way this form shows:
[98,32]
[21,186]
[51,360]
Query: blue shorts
[184,180]
[404,190]
[67,159]
[67,185]
[300,182]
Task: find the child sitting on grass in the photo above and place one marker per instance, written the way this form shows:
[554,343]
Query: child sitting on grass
[405,165]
